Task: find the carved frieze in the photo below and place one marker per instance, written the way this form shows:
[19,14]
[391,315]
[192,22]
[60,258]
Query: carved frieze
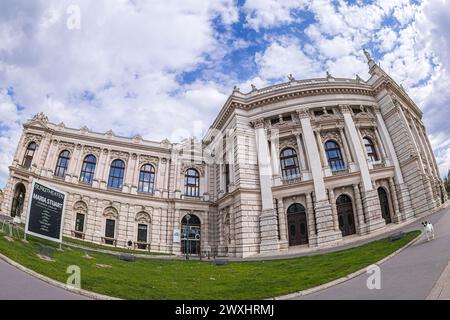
[143,217]
[91,150]
[198,167]
[111,212]
[331,135]
[288,143]
[66,146]
[80,207]
[370,133]
[32,138]
[114,154]
[144,159]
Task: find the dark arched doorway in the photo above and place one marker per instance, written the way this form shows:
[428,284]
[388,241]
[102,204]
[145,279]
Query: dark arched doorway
[384,204]
[190,234]
[345,215]
[18,200]
[297,224]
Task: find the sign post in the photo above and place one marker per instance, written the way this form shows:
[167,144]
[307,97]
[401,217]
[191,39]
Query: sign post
[45,212]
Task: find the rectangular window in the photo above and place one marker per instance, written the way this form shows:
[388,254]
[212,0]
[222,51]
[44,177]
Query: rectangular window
[142,233]
[79,222]
[110,229]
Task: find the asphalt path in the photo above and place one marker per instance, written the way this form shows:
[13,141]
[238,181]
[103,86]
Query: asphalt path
[411,274]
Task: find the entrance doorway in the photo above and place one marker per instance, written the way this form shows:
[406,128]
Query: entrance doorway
[18,200]
[190,234]
[384,204]
[297,224]
[346,217]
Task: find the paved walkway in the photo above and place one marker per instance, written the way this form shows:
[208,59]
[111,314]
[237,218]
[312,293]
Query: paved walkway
[411,274]
[18,285]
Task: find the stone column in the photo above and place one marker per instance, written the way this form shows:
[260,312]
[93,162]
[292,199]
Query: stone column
[418,150]
[312,230]
[75,163]
[404,197]
[430,164]
[20,146]
[166,179]
[41,155]
[221,232]
[105,168]
[370,200]
[133,179]
[301,152]
[323,211]
[275,158]
[282,221]
[393,191]
[323,156]
[48,162]
[359,210]
[268,217]
[333,209]
[348,155]
[381,146]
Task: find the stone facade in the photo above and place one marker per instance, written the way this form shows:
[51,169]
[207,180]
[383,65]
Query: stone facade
[280,166]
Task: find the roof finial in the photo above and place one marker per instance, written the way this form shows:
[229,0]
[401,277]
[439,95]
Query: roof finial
[367,54]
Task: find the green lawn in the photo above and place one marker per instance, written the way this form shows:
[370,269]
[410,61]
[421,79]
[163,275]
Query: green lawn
[175,279]
[94,246]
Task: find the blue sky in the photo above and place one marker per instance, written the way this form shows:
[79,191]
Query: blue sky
[164,68]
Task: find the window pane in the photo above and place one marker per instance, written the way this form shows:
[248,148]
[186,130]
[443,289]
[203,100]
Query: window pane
[110,228]
[142,233]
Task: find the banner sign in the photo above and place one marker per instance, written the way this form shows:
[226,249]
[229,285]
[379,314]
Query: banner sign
[176,236]
[45,212]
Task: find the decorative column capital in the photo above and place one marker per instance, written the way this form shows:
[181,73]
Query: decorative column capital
[303,113]
[345,108]
[258,123]
[376,108]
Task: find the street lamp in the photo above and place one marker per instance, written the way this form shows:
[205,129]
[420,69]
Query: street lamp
[188,217]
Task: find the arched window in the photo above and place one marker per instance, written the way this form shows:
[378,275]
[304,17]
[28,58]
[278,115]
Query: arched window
[88,169]
[192,183]
[289,163]
[370,149]
[29,154]
[62,164]
[116,174]
[146,178]
[334,156]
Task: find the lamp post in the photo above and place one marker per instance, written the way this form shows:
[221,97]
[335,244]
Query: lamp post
[188,217]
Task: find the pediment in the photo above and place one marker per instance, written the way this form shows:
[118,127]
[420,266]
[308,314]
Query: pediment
[37,124]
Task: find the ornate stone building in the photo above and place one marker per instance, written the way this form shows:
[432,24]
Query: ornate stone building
[306,162]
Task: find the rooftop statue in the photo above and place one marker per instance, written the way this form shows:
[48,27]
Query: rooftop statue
[40,117]
[367,54]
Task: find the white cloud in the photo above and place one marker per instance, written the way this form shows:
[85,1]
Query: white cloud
[386,39]
[270,13]
[127,56]
[286,57]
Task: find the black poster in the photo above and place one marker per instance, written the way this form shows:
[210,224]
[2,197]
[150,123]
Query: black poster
[45,213]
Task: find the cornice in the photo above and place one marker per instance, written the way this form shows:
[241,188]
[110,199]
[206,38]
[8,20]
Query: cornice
[391,86]
[283,94]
